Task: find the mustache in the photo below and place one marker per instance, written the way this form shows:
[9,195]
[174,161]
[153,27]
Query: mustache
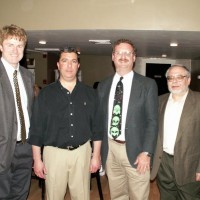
[123,59]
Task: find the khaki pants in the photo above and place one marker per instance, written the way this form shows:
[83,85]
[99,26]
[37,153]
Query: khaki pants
[67,168]
[124,181]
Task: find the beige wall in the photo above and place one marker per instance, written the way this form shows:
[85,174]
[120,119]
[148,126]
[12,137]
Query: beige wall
[106,14]
[40,67]
[45,64]
[95,68]
[52,59]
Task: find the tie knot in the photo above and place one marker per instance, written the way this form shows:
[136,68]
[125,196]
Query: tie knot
[121,78]
[15,73]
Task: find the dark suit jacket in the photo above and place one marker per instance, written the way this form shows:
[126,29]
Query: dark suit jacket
[141,121]
[187,145]
[8,119]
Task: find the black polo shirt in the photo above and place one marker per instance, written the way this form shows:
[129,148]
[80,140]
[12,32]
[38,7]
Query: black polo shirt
[61,118]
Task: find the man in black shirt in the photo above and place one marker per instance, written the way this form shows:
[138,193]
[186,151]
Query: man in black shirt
[63,121]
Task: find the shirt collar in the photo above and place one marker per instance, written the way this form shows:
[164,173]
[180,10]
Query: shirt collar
[126,77]
[59,83]
[182,99]
[8,66]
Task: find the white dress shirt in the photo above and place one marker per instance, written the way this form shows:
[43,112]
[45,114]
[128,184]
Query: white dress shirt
[172,117]
[127,84]
[10,70]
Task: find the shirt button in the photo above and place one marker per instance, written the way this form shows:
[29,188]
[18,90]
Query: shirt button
[72,136]
[67,92]
[70,102]
[71,113]
[72,124]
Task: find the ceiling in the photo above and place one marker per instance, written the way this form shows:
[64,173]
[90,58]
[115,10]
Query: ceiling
[148,43]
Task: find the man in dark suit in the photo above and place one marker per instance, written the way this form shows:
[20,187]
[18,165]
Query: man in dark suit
[127,150]
[16,96]
[177,156]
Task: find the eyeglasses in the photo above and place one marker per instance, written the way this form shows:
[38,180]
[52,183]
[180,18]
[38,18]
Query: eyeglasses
[125,53]
[178,78]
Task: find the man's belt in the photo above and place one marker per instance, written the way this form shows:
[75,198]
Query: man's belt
[19,142]
[120,141]
[71,148]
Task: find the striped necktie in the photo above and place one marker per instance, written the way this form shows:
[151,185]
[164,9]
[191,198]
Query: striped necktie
[19,106]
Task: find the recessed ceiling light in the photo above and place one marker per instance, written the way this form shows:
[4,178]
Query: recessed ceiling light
[173,44]
[100,41]
[164,55]
[42,42]
[47,49]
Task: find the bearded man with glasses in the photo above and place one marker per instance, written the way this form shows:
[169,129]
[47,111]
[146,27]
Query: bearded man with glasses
[177,157]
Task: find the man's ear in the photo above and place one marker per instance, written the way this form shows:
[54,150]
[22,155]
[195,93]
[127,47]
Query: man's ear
[58,65]
[113,56]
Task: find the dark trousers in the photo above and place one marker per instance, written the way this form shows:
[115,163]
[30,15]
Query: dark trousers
[169,189]
[15,183]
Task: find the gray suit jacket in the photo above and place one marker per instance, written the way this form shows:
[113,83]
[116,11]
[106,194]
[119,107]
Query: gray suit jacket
[8,119]
[141,121]
[187,145]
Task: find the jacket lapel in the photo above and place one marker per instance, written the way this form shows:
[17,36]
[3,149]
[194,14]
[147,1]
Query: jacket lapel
[28,87]
[186,113]
[6,86]
[162,107]
[106,100]
[135,93]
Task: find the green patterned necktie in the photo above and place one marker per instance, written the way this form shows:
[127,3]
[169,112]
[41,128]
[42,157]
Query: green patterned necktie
[115,128]
[19,106]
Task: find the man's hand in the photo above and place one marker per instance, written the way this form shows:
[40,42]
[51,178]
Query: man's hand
[197,176]
[96,158]
[143,163]
[39,169]
[95,164]
[38,165]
